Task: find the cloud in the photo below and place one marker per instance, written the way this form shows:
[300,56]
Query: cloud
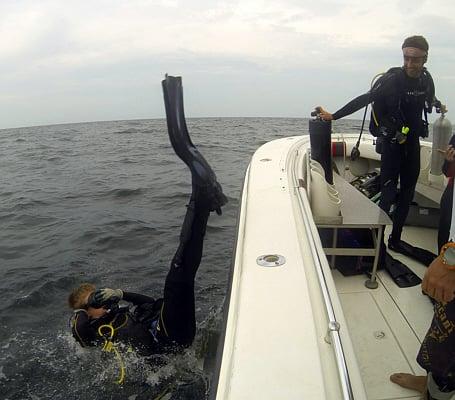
[70,49]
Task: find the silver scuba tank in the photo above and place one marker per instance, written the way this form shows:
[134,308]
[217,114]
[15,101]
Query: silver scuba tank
[442,132]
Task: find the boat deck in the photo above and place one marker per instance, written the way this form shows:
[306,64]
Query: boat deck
[283,311]
[388,324]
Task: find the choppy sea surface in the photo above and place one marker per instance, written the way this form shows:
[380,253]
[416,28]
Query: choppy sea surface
[102,202]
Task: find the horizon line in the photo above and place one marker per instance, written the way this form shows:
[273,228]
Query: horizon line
[156,118]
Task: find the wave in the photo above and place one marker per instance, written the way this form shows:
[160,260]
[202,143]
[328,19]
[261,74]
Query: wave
[129,161]
[30,220]
[129,130]
[7,217]
[15,252]
[42,293]
[122,193]
[129,237]
[24,203]
[55,158]
[125,242]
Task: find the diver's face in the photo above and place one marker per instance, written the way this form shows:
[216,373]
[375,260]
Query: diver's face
[96,313]
[413,61]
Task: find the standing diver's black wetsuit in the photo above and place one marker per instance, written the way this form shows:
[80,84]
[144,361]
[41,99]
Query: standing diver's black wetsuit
[155,326]
[398,101]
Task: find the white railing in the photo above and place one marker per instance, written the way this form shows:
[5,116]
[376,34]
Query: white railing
[333,328]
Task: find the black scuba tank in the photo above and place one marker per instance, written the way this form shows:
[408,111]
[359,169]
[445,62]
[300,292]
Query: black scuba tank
[321,149]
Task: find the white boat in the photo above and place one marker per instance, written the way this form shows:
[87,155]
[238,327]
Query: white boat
[295,327]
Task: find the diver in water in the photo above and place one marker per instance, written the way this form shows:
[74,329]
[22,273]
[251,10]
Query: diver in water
[153,326]
[398,98]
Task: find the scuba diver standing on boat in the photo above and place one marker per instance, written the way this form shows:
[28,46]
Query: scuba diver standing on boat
[398,99]
[163,325]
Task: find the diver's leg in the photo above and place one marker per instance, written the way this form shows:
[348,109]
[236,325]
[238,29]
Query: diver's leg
[390,169]
[178,321]
[409,173]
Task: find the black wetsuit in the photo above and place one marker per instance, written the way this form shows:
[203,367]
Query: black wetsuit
[153,326]
[398,101]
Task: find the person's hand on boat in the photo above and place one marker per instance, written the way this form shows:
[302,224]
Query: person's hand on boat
[441,108]
[439,282]
[324,114]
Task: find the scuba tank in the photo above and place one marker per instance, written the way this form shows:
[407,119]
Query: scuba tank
[442,131]
[355,152]
[321,144]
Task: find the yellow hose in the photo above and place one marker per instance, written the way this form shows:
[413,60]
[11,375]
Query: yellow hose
[109,347]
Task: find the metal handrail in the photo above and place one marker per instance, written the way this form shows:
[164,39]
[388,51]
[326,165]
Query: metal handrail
[333,325]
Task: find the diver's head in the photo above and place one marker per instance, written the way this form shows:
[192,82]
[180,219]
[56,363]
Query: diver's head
[81,298]
[415,54]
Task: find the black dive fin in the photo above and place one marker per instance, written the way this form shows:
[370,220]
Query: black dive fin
[400,273]
[423,256]
[201,172]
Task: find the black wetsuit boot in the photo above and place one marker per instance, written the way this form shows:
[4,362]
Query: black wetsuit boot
[401,160]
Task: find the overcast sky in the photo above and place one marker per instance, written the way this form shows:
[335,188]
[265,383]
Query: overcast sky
[76,61]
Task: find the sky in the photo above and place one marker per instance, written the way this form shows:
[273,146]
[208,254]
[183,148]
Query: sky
[98,60]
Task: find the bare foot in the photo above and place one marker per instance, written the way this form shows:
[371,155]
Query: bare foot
[409,381]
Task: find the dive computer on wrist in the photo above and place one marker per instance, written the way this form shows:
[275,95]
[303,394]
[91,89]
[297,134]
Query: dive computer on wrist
[448,255]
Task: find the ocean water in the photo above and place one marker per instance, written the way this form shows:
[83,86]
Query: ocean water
[103,202]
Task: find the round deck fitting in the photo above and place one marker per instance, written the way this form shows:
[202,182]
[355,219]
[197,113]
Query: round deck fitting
[371,284]
[270,260]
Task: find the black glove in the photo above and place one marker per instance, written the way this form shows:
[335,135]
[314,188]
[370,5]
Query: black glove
[105,298]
